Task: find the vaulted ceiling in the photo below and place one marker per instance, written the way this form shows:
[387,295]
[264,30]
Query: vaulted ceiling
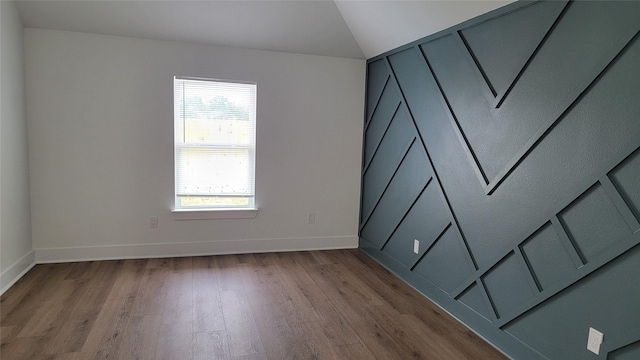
[341,28]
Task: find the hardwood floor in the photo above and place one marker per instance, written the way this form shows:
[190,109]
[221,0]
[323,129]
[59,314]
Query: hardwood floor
[304,305]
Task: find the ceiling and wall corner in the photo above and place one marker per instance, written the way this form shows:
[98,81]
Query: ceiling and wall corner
[341,28]
[379,26]
[306,27]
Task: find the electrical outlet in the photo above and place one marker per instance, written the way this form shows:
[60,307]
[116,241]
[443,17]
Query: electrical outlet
[311,218]
[594,341]
[153,222]
[416,246]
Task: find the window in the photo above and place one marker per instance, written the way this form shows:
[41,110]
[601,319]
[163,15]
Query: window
[214,141]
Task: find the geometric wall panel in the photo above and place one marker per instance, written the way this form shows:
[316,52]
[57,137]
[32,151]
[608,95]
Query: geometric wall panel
[425,222]
[472,297]
[407,183]
[594,224]
[629,352]
[509,146]
[445,264]
[507,285]
[547,257]
[420,96]
[393,147]
[498,139]
[626,176]
[376,80]
[488,38]
[605,300]
[379,123]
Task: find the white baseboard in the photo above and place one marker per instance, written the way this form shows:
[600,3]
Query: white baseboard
[116,252]
[137,251]
[14,272]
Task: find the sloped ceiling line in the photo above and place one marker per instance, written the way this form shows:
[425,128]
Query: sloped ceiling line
[341,28]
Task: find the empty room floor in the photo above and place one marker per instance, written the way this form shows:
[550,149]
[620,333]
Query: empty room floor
[336,304]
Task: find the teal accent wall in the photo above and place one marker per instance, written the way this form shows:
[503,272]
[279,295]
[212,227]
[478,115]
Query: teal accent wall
[509,147]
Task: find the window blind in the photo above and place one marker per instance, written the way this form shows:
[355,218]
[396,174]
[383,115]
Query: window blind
[214,138]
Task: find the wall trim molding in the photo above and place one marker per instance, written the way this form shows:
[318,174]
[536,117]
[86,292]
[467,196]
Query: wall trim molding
[162,250]
[16,271]
[144,251]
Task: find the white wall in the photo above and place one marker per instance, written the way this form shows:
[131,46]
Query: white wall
[406,21]
[16,255]
[101,147]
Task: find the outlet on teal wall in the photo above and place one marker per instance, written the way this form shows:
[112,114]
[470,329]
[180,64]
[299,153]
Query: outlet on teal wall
[509,146]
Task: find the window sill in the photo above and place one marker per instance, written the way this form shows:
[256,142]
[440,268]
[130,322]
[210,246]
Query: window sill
[208,214]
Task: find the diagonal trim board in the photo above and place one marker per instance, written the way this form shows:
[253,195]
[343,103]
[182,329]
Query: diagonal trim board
[612,345]
[537,137]
[545,15]
[490,183]
[583,270]
[438,182]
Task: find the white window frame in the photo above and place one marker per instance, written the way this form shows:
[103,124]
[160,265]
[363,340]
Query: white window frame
[213,211]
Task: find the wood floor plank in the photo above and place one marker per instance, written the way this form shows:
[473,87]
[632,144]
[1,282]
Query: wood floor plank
[83,270]
[251,357]
[294,306]
[311,334]
[335,327]
[140,337]
[175,342]
[181,265]
[21,291]
[48,314]
[65,356]
[258,284]
[337,304]
[304,258]
[178,299]
[353,351]
[72,330]
[23,348]
[7,335]
[260,299]
[350,286]
[17,312]
[280,343]
[229,279]
[211,345]
[384,285]
[299,306]
[267,259]
[246,259]
[129,279]
[106,334]
[151,296]
[372,334]
[327,257]
[207,307]
[244,338]
[158,263]
[419,344]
